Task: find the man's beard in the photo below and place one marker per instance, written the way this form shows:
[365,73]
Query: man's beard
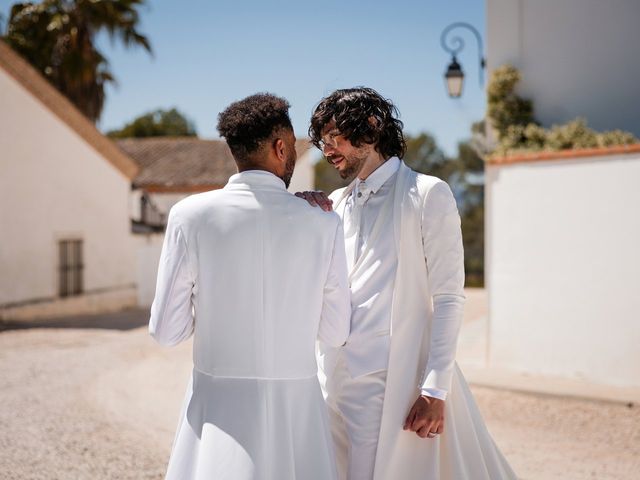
[353,164]
[289,166]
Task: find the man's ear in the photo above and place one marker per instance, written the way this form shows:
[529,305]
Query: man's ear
[279,148]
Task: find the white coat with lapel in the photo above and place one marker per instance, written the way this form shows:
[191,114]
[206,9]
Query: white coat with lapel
[465,451]
[257,275]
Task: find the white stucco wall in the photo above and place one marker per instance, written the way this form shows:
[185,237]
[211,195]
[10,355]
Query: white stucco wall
[303,176]
[53,185]
[148,248]
[160,200]
[164,201]
[563,268]
[577,57]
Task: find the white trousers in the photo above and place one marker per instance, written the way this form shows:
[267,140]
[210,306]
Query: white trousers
[355,412]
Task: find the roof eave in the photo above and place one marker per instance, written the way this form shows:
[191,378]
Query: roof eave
[568,154]
[59,105]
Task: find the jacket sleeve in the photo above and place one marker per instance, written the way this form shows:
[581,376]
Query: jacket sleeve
[442,243]
[335,319]
[172,319]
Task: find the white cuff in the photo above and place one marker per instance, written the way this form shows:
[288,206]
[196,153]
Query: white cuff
[435,393]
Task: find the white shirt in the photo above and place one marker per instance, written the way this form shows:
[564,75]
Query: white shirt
[372,282]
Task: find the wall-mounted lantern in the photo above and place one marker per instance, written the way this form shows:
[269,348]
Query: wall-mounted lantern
[454,75]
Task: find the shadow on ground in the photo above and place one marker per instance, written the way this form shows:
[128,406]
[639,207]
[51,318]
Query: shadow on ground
[123,320]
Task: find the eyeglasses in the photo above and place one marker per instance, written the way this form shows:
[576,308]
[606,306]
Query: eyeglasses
[329,139]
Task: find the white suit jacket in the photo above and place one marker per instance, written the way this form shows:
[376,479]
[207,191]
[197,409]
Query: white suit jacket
[438,231]
[258,274]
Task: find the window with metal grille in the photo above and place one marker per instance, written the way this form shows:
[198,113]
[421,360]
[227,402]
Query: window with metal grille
[71,266]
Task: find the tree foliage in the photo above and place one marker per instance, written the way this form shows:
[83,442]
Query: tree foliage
[470,171]
[159,123]
[517,130]
[423,155]
[504,107]
[58,38]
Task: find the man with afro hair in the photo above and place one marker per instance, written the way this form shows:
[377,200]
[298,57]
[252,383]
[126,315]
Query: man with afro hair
[256,275]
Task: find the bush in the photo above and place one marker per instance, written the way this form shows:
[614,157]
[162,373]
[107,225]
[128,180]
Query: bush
[574,134]
[616,137]
[505,108]
[517,130]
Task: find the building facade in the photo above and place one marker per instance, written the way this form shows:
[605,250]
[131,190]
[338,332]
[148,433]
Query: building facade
[578,58]
[562,228]
[65,241]
[562,263]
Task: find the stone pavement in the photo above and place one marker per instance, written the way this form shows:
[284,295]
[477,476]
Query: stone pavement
[82,400]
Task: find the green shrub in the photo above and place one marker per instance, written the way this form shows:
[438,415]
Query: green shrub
[517,130]
[574,134]
[616,137]
[505,108]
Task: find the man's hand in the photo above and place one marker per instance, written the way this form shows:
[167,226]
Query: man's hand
[317,199]
[426,417]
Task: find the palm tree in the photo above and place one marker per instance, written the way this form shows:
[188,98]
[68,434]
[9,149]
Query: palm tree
[58,38]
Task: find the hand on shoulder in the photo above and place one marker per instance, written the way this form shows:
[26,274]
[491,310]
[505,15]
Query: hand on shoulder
[317,199]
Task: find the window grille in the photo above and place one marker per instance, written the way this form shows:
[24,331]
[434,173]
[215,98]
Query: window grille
[71,267]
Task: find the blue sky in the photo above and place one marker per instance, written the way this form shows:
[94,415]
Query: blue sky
[210,53]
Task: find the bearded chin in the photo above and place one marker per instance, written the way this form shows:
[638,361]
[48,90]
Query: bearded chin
[346,174]
[351,170]
[288,171]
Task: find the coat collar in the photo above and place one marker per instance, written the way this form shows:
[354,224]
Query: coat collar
[401,178]
[256,178]
[380,175]
[402,182]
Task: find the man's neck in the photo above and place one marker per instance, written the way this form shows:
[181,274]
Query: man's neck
[370,165]
[246,168]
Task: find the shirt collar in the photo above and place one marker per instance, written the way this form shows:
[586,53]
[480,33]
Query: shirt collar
[256,178]
[380,175]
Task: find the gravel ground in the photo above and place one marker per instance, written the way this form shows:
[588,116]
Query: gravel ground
[103,403]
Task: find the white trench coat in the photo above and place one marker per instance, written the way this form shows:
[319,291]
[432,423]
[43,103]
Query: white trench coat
[465,451]
[265,274]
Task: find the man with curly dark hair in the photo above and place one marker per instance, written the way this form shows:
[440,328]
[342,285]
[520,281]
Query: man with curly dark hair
[236,271]
[399,407]
[363,118]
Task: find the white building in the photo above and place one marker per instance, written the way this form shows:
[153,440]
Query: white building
[65,241]
[563,265]
[577,57]
[563,229]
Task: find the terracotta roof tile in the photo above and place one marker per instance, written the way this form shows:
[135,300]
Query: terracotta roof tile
[568,154]
[183,163]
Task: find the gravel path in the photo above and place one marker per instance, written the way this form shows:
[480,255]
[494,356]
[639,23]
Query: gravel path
[96,403]
[48,427]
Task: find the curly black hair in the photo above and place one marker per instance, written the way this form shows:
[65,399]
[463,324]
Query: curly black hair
[247,123]
[361,115]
